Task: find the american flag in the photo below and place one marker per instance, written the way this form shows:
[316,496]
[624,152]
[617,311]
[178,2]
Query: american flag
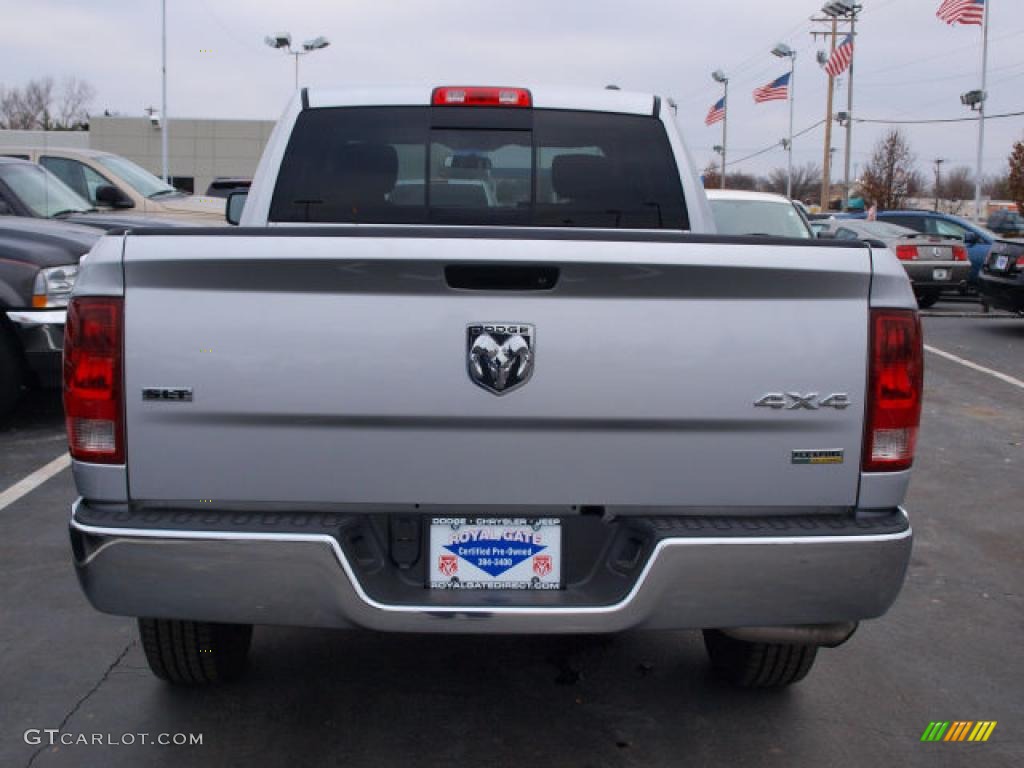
[841,58]
[717,112]
[962,11]
[776,90]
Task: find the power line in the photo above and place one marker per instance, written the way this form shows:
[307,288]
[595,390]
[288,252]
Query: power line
[942,120]
[776,145]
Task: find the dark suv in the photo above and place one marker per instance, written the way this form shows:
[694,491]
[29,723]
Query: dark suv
[1006,223]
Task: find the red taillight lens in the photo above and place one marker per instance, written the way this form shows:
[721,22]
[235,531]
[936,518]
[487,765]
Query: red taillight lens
[1020,262]
[895,383]
[93,401]
[906,252]
[461,96]
[959,253]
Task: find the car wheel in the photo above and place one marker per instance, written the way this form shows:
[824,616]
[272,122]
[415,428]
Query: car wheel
[12,372]
[925,300]
[195,652]
[757,665]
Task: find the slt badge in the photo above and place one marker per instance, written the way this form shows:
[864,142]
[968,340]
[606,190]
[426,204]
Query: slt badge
[499,356]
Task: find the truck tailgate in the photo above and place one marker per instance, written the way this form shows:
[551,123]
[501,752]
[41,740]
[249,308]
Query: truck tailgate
[334,369]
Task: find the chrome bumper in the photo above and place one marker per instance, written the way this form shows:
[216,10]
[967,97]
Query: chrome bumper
[306,580]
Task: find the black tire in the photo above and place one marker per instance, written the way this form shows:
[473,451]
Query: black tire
[927,299]
[195,652]
[758,665]
[12,372]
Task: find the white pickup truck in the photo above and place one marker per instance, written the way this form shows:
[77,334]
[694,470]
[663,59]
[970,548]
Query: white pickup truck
[477,362]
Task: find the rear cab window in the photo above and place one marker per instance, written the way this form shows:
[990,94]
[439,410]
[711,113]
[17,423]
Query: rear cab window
[479,166]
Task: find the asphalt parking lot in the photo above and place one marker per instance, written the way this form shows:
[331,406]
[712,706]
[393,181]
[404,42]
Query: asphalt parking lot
[949,650]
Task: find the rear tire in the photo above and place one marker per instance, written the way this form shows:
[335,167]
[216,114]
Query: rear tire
[195,652]
[927,299]
[12,372]
[757,665]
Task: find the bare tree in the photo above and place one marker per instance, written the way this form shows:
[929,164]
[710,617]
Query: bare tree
[712,176]
[997,186]
[1017,175]
[73,105]
[33,107]
[890,177]
[956,184]
[741,180]
[806,181]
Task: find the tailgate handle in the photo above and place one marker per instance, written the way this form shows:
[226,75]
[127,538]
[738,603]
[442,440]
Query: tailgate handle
[500,277]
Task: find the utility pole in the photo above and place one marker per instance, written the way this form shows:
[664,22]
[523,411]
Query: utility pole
[849,110]
[826,173]
[938,179]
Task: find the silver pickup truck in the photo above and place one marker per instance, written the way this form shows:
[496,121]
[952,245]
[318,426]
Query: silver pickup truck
[476,361]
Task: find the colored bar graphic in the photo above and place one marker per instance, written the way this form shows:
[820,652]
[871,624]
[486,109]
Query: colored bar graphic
[959,730]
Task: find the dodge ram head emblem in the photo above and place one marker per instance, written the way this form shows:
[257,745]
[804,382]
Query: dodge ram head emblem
[499,356]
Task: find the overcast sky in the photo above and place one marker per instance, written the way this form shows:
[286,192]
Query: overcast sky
[909,65]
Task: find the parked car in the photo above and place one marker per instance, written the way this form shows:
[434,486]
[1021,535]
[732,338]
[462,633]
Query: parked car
[738,212]
[977,239]
[38,265]
[570,409]
[933,263]
[222,186]
[1006,224]
[30,190]
[1001,283]
[115,184]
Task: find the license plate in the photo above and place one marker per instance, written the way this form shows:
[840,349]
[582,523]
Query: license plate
[1001,262]
[940,274]
[489,553]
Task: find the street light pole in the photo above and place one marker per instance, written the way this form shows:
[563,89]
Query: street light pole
[938,179]
[981,115]
[164,121]
[719,77]
[783,51]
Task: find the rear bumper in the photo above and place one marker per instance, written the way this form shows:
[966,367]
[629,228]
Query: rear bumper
[922,274]
[691,578]
[41,333]
[1002,292]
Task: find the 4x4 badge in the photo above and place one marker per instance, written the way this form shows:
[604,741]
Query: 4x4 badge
[499,356]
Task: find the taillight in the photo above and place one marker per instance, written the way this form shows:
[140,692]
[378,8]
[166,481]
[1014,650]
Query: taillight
[472,96]
[1020,263]
[93,396]
[906,252]
[959,253]
[895,383]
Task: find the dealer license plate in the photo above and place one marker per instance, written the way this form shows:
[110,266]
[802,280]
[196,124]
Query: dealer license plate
[940,274]
[1001,262]
[489,553]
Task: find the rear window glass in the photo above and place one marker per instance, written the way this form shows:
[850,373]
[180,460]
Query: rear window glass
[758,217]
[422,165]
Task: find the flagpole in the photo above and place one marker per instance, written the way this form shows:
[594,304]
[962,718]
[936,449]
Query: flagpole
[792,88]
[725,123]
[164,120]
[849,108]
[981,113]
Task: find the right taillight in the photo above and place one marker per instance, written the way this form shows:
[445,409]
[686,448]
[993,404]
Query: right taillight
[906,252]
[895,384]
[93,402]
[959,253]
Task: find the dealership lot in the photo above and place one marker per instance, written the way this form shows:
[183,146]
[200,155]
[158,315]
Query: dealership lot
[949,649]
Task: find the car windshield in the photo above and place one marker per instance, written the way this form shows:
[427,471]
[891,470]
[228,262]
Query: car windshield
[42,192]
[758,217]
[141,180]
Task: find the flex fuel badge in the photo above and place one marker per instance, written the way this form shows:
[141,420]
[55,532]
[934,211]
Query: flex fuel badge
[817,457]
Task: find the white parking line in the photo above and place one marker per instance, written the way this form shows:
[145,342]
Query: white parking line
[975,367]
[33,481]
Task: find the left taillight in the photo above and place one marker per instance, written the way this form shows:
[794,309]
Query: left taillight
[895,389]
[93,368]
[906,252]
